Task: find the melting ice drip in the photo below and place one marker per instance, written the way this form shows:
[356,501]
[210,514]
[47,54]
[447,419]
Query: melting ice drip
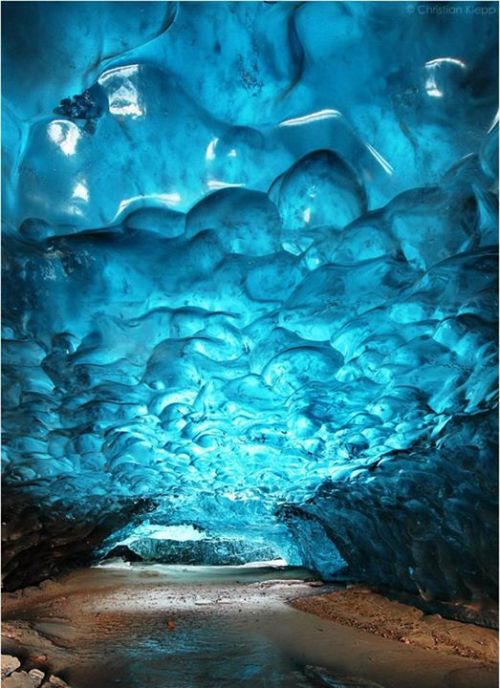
[272,317]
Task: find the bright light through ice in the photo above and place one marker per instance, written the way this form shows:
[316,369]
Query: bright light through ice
[169,199]
[123,97]
[432,68]
[445,60]
[313,117]
[494,123]
[431,87]
[383,162]
[178,533]
[215,184]
[81,192]
[210,152]
[65,135]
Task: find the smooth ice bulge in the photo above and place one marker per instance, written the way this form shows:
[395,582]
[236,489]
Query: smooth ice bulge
[250,288]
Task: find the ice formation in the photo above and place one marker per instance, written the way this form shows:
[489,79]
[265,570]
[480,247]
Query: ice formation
[250,286]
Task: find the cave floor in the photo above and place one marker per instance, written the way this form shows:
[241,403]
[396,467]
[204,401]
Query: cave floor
[201,627]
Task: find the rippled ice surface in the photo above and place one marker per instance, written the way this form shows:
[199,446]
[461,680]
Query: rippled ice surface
[251,259]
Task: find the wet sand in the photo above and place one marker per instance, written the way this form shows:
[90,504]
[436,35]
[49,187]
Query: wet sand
[362,608]
[199,627]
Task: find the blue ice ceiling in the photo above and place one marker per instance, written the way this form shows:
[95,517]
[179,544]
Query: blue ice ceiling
[249,282]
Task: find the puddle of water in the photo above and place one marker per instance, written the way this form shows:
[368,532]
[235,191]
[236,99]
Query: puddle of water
[219,652]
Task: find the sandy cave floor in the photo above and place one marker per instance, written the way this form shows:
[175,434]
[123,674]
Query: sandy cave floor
[189,627]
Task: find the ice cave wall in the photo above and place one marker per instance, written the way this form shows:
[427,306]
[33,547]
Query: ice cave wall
[250,266]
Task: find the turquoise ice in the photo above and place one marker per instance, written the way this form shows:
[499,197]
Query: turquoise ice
[250,284]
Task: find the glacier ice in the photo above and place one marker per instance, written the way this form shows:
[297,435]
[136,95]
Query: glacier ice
[250,287]
[184,544]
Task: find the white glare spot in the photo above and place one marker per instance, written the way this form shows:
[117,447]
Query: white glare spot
[383,162]
[178,533]
[494,123]
[170,199]
[123,72]
[431,86]
[123,97]
[64,134]
[210,152]
[81,192]
[218,184]
[445,60]
[313,117]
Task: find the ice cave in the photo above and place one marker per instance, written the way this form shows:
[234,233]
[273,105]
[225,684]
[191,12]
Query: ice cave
[250,373]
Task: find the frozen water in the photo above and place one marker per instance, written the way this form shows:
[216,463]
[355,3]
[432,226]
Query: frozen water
[250,279]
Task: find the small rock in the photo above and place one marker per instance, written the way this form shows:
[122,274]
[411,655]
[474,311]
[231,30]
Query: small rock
[56,682]
[9,664]
[36,676]
[20,679]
